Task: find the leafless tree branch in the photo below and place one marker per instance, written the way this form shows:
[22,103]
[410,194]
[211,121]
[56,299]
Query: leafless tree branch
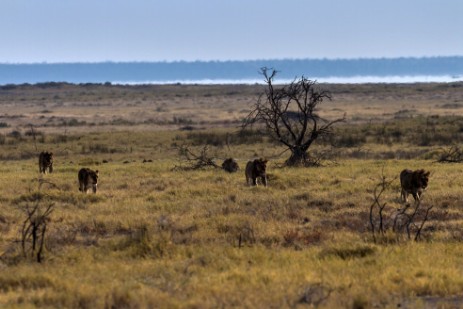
[288,114]
[195,160]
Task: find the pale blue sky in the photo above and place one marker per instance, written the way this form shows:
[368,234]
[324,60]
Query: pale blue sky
[170,30]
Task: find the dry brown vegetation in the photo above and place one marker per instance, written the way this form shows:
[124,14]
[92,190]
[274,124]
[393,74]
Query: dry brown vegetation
[155,236]
[93,107]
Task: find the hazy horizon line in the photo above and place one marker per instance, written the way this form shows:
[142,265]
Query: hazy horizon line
[231,60]
[370,79]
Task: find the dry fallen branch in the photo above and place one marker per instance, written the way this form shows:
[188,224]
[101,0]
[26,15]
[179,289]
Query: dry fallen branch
[195,160]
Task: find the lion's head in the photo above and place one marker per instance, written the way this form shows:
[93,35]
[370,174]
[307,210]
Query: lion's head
[421,178]
[260,166]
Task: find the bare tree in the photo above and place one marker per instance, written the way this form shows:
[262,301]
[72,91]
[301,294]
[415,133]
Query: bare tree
[380,188]
[405,220]
[289,115]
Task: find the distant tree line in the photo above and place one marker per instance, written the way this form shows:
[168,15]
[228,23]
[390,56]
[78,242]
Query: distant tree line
[232,70]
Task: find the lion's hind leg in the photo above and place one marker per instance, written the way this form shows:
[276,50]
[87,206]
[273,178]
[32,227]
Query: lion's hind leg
[404,195]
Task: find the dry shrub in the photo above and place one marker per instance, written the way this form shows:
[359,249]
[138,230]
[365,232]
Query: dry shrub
[191,160]
[408,219]
[454,154]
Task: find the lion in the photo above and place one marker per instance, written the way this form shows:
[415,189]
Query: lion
[45,162]
[230,165]
[88,179]
[255,169]
[414,182]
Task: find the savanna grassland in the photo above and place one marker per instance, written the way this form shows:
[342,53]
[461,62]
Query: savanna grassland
[160,235]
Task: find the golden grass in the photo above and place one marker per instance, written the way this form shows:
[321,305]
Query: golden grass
[154,236]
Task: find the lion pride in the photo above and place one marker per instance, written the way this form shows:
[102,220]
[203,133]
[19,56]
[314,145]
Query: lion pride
[413,182]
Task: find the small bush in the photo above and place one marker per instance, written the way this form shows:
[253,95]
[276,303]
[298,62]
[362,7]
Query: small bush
[15,134]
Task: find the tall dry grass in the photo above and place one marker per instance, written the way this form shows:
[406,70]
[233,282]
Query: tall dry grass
[156,236]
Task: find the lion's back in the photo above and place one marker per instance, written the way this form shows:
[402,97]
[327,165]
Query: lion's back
[406,178]
[249,171]
[83,175]
[414,181]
